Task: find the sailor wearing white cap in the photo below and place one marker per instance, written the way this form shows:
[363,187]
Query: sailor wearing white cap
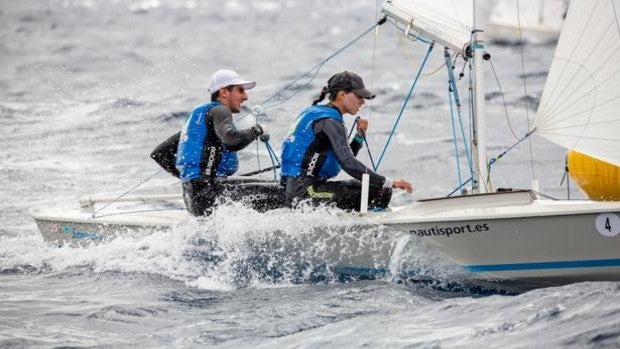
[209,141]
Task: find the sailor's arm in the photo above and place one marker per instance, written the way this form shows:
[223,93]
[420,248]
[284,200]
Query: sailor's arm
[228,133]
[337,135]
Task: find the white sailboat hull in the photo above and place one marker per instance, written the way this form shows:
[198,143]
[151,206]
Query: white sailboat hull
[509,235]
[515,236]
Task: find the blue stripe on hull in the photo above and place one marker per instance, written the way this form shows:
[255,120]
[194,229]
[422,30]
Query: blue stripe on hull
[593,263]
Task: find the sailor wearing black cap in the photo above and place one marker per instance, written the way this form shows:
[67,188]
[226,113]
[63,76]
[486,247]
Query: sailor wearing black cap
[317,148]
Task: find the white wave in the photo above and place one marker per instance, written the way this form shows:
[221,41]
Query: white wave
[240,247]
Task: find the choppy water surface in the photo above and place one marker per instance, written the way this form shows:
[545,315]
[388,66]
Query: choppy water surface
[88,88]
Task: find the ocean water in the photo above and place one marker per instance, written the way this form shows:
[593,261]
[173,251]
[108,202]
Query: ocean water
[89,87]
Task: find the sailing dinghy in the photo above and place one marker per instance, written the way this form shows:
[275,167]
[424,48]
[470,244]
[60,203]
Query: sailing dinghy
[494,235]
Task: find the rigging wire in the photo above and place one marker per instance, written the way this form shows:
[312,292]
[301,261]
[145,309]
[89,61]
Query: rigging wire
[501,93]
[460,186]
[407,99]
[453,91]
[312,73]
[274,159]
[127,191]
[456,146]
[527,108]
[140,211]
[493,160]
[372,161]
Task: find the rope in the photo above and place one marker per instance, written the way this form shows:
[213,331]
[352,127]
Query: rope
[247,174]
[372,161]
[402,109]
[453,90]
[527,109]
[274,159]
[460,186]
[127,192]
[139,211]
[353,126]
[408,54]
[501,92]
[496,158]
[456,147]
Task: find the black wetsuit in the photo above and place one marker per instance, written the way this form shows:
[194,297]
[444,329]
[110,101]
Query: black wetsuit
[344,194]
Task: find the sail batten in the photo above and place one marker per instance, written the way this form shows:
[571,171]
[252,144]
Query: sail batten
[580,104]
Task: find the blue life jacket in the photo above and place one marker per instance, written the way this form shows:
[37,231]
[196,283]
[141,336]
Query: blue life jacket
[200,152]
[298,158]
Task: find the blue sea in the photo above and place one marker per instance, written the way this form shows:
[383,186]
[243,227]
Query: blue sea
[89,87]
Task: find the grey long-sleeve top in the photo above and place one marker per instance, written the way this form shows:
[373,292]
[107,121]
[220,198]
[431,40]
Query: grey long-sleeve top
[345,153]
[227,132]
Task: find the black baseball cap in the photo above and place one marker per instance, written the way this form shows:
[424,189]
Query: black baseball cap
[351,82]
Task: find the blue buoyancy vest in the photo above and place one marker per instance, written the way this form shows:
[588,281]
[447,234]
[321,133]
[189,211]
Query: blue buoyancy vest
[200,152]
[296,157]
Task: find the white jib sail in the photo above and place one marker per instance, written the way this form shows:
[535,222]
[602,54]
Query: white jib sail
[580,104]
[448,22]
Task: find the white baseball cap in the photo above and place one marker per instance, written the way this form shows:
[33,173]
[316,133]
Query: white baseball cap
[225,77]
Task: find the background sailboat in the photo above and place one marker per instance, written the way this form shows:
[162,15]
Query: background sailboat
[534,21]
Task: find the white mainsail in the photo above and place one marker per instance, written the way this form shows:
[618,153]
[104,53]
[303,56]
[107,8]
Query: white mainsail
[448,22]
[580,104]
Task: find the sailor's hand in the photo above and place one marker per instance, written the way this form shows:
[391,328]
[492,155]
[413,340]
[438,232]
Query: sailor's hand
[264,135]
[362,127]
[258,130]
[402,184]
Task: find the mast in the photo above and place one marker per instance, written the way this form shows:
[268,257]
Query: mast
[479,141]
